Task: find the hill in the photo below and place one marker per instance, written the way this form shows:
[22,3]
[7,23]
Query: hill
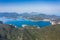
[9,15]
[9,32]
[32,15]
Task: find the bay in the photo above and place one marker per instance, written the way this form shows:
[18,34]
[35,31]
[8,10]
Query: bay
[20,21]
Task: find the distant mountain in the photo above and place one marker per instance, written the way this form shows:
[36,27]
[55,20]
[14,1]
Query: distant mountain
[47,16]
[1,22]
[24,14]
[9,15]
[32,15]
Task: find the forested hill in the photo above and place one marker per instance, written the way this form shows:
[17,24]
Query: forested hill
[9,32]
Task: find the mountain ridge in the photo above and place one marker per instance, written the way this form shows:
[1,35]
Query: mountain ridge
[30,15]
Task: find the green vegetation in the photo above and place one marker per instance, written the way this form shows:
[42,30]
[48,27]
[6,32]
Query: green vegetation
[9,32]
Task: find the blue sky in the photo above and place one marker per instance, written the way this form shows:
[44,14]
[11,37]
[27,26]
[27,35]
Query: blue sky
[42,6]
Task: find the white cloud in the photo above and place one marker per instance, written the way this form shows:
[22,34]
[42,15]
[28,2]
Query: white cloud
[43,8]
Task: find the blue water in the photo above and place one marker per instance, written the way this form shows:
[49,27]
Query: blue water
[21,22]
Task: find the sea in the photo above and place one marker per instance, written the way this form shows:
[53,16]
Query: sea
[21,21]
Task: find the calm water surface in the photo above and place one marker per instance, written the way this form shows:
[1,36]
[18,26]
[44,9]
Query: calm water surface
[19,22]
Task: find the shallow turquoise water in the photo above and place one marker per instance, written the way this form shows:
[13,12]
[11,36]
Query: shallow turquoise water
[21,22]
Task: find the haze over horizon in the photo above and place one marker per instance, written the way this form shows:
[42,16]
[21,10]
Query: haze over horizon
[21,6]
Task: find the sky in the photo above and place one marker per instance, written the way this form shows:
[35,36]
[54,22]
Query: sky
[21,6]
